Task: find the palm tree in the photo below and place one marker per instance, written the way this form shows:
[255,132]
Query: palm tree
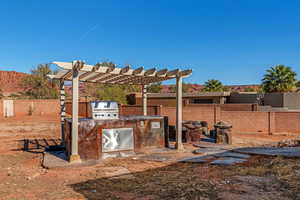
[213,86]
[279,79]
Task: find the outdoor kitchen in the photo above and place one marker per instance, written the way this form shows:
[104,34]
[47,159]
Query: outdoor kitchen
[104,132]
[107,134]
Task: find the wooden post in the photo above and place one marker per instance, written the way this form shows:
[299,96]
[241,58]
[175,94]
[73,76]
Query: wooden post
[62,111]
[144,100]
[75,96]
[179,145]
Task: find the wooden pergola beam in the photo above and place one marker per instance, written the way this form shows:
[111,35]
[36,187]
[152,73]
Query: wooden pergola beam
[150,72]
[138,71]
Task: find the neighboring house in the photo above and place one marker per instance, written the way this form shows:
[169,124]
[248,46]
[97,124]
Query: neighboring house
[286,101]
[169,99]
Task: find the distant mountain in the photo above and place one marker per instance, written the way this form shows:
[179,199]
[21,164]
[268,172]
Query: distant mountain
[10,82]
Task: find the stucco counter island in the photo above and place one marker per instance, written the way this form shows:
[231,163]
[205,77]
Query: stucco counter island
[99,139]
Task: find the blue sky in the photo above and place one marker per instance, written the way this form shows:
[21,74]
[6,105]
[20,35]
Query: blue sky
[234,41]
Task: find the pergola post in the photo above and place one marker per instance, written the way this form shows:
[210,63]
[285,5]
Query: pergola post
[144,100]
[62,110]
[75,96]
[179,145]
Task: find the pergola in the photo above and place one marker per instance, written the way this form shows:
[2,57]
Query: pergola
[77,71]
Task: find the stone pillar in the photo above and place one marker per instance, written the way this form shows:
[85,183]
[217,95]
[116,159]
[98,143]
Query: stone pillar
[75,96]
[144,100]
[222,100]
[272,123]
[179,145]
[62,111]
[217,113]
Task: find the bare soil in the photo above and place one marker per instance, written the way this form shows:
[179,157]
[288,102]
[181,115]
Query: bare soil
[22,177]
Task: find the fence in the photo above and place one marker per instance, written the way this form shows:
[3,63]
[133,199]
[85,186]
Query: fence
[243,121]
[19,108]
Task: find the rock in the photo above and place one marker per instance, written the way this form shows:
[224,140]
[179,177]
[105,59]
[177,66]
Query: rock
[197,123]
[222,124]
[209,151]
[189,126]
[10,81]
[233,155]
[227,161]
[200,159]
[211,145]
[35,175]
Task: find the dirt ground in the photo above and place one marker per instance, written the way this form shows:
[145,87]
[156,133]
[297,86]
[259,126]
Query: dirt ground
[22,177]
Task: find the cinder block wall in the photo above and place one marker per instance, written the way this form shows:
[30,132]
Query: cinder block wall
[39,107]
[203,113]
[287,122]
[35,107]
[247,121]
[1,108]
[242,121]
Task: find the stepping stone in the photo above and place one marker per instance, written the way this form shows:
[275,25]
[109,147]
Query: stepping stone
[232,154]
[117,173]
[210,150]
[199,159]
[154,157]
[271,151]
[211,145]
[227,161]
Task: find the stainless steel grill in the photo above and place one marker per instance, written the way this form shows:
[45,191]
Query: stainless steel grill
[104,110]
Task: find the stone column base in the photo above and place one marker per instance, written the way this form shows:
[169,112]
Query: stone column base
[179,146]
[74,158]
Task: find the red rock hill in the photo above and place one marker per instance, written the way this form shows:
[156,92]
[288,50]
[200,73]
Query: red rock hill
[10,82]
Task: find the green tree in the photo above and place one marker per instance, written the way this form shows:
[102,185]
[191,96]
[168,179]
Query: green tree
[279,79]
[38,86]
[249,89]
[213,86]
[111,92]
[155,88]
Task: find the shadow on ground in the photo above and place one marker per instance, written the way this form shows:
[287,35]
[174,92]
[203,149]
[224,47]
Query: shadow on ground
[260,178]
[174,181]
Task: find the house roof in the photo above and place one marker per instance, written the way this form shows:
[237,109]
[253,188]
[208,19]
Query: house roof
[115,75]
[200,94]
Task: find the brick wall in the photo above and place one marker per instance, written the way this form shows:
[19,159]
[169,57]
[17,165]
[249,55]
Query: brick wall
[37,107]
[1,108]
[138,110]
[202,113]
[247,121]
[153,102]
[287,122]
[123,109]
[83,109]
[242,121]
